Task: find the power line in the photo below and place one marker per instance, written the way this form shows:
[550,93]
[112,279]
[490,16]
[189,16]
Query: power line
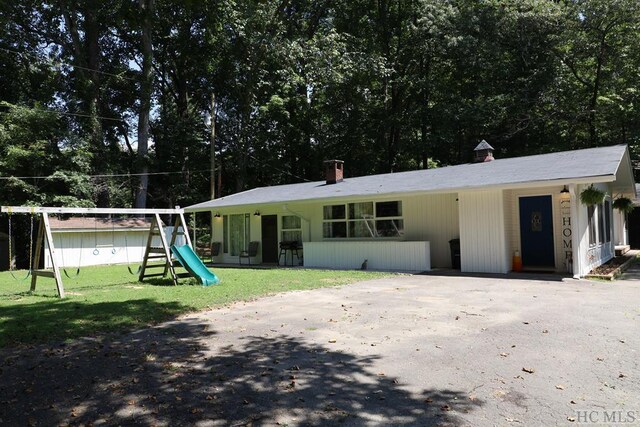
[113,175]
[59,62]
[64,113]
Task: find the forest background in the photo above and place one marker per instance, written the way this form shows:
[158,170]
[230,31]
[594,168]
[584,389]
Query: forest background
[135,103]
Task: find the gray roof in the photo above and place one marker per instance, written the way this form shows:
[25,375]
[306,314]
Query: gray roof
[566,165]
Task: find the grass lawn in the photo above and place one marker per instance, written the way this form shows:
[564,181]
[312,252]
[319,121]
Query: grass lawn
[109,299]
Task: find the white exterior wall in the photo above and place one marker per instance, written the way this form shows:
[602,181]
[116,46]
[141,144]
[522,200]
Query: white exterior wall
[432,218]
[620,231]
[386,256]
[591,256]
[75,248]
[483,245]
[255,228]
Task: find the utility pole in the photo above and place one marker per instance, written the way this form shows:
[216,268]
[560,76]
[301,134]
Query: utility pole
[212,137]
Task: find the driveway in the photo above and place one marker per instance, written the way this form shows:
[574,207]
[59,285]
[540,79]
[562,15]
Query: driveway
[405,350]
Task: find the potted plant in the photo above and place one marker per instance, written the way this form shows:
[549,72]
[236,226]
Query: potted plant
[623,204]
[592,196]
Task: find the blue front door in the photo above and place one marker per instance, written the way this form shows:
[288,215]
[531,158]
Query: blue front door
[536,231]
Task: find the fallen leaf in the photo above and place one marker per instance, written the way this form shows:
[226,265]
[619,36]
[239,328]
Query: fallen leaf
[528,370]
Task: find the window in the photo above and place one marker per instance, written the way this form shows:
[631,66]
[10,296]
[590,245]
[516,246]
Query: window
[363,220]
[360,219]
[334,224]
[238,233]
[600,212]
[592,224]
[607,221]
[291,229]
[392,225]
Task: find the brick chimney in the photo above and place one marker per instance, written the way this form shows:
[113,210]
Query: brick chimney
[483,152]
[333,171]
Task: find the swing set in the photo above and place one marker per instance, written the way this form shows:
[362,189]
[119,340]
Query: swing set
[152,253]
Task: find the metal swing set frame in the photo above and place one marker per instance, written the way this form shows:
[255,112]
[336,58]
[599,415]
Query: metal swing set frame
[151,252]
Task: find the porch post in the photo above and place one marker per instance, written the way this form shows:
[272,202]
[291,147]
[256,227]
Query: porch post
[575,232]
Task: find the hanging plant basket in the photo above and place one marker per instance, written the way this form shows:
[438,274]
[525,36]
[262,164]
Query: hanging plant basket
[592,196]
[623,204]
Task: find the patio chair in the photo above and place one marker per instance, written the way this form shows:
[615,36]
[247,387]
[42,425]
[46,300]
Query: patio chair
[252,252]
[215,249]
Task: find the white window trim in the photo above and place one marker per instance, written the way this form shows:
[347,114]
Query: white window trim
[369,218]
[283,230]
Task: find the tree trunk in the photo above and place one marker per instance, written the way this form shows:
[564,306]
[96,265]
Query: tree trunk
[146,88]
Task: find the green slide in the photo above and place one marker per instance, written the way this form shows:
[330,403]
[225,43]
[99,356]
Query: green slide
[194,265]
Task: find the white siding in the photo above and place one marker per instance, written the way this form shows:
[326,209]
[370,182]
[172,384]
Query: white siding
[591,256]
[393,256]
[76,249]
[433,218]
[255,227]
[482,232]
[620,232]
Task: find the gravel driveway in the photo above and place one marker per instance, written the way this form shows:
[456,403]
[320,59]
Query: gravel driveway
[405,350]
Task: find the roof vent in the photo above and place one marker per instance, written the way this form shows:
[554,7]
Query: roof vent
[484,152]
[333,171]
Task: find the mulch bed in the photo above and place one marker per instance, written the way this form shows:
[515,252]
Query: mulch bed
[610,266]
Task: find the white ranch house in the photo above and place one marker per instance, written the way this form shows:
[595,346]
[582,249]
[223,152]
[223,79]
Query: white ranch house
[405,221]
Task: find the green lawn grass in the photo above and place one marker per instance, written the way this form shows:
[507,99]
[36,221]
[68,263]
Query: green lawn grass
[109,299]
